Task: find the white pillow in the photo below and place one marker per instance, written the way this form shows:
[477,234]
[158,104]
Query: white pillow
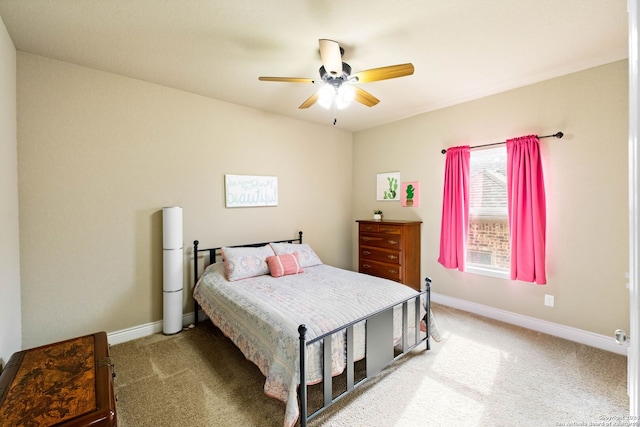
[241,263]
[306,255]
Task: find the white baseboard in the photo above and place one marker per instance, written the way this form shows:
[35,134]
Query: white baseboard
[602,342]
[147,329]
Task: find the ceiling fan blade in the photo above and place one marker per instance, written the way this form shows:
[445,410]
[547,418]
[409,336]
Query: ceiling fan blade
[331,56]
[384,73]
[286,79]
[309,101]
[365,98]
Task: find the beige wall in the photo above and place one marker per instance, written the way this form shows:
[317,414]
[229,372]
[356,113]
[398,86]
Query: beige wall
[586,181]
[10,325]
[101,154]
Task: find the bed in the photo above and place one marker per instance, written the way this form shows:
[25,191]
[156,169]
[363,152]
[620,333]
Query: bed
[302,322]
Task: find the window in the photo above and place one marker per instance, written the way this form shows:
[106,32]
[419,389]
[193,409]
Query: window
[488,250]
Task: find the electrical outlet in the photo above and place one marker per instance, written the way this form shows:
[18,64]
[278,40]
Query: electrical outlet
[549,300]
[626,275]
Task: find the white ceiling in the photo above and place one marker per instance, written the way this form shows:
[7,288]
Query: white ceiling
[461,49]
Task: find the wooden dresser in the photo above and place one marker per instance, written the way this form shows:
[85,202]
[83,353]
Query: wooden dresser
[390,249]
[68,383]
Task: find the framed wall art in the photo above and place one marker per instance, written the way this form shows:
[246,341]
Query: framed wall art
[410,194]
[387,186]
[242,191]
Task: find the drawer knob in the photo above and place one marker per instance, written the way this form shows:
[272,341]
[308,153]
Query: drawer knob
[366,266]
[393,242]
[388,230]
[366,252]
[391,256]
[392,271]
[366,239]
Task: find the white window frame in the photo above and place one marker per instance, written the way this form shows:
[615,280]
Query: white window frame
[486,271]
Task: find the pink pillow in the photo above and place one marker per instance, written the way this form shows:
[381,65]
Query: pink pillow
[282,265]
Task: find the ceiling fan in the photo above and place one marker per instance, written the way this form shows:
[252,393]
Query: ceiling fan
[338,82]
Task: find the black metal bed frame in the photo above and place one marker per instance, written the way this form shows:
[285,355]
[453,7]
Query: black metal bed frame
[380,350]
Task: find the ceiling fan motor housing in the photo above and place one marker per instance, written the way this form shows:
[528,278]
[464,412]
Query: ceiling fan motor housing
[336,80]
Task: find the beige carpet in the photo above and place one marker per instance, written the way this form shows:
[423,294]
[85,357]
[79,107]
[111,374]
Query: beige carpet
[482,373]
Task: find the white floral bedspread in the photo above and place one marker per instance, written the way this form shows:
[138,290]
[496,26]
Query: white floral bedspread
[261,316]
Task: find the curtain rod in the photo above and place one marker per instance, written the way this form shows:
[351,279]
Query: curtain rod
[555,135]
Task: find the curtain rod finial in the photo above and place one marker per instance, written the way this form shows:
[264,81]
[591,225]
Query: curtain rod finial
[559,135]
[444,151]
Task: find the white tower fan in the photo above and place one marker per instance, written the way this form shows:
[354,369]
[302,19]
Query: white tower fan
[172,265]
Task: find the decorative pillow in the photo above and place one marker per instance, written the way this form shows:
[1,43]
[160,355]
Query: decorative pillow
[241,263]
[282,265]
[307,256]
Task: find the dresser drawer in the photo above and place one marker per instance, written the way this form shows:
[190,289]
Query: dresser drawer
[380,254]
[374,268]
[369,228]
[389,229]
[390,241]
[381,228]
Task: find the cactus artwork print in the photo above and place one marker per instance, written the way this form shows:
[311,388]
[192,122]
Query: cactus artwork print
[392,192]
[410,194]
[388,186]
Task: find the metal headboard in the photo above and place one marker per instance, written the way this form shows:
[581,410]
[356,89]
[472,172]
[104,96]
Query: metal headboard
[213,252]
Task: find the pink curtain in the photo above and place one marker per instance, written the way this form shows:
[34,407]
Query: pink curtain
[455,208]
[527,209]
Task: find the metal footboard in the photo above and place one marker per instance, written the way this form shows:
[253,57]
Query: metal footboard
[380,350]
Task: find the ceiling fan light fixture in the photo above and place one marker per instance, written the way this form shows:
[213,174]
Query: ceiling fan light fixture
[346,94]
[325,95]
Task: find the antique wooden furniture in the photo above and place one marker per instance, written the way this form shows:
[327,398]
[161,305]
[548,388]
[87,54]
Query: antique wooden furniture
[68,383]
[390,249]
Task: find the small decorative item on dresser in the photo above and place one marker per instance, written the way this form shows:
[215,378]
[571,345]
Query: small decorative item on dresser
[377,215]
